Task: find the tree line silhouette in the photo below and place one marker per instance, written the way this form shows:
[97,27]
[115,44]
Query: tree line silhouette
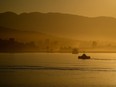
[11,45]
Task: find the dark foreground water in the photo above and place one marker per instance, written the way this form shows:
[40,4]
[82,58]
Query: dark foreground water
[57,70]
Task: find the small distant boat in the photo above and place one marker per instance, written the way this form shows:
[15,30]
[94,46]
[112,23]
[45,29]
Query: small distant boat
[75,51]
[84,56]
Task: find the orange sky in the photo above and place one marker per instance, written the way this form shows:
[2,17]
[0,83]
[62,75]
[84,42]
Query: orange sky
[81,7]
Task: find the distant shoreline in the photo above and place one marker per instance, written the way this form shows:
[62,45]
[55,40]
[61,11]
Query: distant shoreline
[60,52]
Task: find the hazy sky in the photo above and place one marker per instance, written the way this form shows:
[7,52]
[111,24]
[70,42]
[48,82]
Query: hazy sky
[81,7]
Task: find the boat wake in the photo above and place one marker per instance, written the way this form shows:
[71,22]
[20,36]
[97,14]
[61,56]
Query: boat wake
[101,59]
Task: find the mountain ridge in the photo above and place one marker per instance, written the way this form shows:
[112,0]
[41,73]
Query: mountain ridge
[63,25]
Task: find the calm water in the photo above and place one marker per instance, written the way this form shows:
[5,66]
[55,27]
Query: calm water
[57,70]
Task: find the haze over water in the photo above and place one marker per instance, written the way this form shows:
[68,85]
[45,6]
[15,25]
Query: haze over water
[40,41]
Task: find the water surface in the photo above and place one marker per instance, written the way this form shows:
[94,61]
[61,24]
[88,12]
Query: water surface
[57,70]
